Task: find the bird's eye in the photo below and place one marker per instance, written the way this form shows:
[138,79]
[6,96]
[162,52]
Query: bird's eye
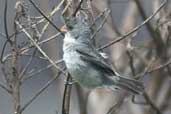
[70,27]
[76,37]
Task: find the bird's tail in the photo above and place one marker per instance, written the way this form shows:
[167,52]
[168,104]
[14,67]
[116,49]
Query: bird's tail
[133,86]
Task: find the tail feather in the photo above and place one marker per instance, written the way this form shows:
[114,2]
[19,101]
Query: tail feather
[134,86]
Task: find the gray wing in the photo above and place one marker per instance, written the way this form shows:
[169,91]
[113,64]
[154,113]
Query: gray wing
[96,60]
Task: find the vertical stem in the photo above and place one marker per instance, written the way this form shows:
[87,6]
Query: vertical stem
[15,75]
[66,96]
[16,98]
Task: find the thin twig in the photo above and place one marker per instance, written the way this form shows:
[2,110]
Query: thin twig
[6,31]
[116,106]
[146,70]
[41,70]
[131,63]
[99,28]
[66,7]
[52,13]
[2,52]
[5,22]
[78,8]
[5,88]
[5,58]
[151,103]
[160,67]
[39,92]
[156,36]
[43,14]
[98,17]
[27,65]
[39,48]
[41,42]
[135,29]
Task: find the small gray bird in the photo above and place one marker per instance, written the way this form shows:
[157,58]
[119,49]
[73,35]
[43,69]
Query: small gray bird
[86,65]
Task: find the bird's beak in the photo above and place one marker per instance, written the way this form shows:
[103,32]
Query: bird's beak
[64,29]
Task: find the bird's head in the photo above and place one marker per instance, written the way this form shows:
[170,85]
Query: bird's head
[73,24]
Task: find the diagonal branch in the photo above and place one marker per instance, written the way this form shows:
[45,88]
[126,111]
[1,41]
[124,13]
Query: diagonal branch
[39,92]
[43,14]
[135,29]
[5,88]
[39,48]
[79,6]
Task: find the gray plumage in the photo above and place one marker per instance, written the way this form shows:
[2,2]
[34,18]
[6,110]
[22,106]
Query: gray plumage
[87,66]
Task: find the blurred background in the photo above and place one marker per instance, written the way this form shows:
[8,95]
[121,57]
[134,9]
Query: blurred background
[30,84]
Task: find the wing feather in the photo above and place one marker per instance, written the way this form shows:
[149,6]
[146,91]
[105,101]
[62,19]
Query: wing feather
[96,61]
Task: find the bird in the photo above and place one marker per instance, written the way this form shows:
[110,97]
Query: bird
[85,63]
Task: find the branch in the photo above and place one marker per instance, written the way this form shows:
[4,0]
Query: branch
[156,36]
[135,29]
[5,88]
[103,22]
[27,65]
[5,22]
[41,42]
[151,103]
[43,14]
[160,67]
[79,6]
[2,52]
[39,48]
[41,70]
[39,92]
[66,96]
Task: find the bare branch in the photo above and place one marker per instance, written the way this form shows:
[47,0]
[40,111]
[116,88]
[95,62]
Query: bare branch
[39,92]
[41,70]
[100,27]
[5,88]
[27,65]
[66,96]
[41,42]
[78,8]
[135,29]
[5,22]
[151,103]
[38,47]
[42,13]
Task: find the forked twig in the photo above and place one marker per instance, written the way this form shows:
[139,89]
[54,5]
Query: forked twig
[42,13]
[39,48]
